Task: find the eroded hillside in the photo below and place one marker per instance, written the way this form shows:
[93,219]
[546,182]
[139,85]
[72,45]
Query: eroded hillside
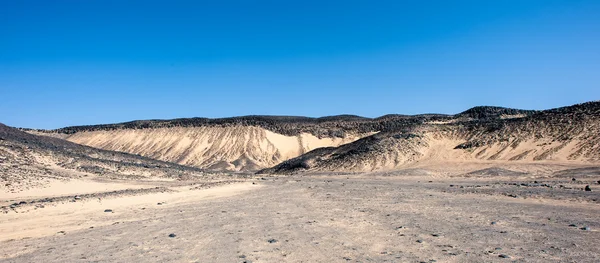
[30,161]
[569,134]
[353,143]
[235,147]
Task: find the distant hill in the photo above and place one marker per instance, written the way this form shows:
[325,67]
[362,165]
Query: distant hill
[349,142]
[564,134]
[28,160]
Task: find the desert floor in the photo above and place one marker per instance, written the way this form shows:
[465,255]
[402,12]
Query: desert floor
[316,218]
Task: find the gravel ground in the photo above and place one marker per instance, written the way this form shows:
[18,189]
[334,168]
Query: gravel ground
[339,219]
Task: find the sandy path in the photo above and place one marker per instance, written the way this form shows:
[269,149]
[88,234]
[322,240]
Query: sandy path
[322,219]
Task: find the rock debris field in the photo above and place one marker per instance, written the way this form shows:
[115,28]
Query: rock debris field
[334,218]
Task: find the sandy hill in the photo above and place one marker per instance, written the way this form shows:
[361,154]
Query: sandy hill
[234,144]
[28,161]
[569,134]
[348,142]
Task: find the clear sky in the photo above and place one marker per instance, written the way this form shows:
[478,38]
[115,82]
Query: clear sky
[79,62]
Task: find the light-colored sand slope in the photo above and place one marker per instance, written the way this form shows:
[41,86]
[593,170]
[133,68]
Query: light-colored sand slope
[29,162]
[218,148]
[570,135]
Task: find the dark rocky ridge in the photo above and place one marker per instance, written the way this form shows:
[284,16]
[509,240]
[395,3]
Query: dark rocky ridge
[484,132]
[330,126]
[27,160]
[559,126]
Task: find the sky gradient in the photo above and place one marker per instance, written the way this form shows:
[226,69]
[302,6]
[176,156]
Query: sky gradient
[66,63]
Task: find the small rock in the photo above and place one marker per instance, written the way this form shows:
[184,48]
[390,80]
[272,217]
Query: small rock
[108,210]
[272,240]
[573,179]
[573,225]
[503,256]
[587,228]
[587,188]
[77,197]
[419,241]
[172,235]
[493,223]
[159,203]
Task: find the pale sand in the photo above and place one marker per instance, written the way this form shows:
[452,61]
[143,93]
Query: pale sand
[71,187]
[235,147]
[32,222]
[351,218]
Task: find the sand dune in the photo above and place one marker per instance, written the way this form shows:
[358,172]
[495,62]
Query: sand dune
[218,148]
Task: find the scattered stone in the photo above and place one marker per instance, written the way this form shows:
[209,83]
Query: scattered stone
[172,235]
[272,240]
[573,225]
[493,223]
[587,228]
[108,210]
[159,203]
[435,235]
[573,179]
[503,256]
[587,188]
[419,241]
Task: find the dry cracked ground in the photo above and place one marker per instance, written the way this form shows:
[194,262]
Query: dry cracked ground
[334,218]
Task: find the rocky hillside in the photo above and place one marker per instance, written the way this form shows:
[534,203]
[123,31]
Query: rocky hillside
[28,160]
[351,143]
[248,143]
[563,134]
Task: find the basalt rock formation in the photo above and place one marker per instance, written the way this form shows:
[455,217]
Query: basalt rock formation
[28,160]
[290,144]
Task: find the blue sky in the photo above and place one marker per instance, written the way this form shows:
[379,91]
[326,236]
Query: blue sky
[87,62]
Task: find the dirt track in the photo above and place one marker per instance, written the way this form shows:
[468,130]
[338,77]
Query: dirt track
[326,219]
